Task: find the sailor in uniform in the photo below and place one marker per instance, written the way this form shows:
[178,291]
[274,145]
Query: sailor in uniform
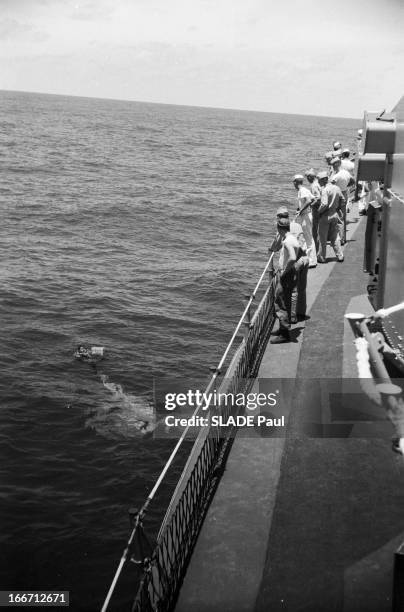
[316,193]
[298,298]
[343,179]
[330,206]
[286,277]
[305,218]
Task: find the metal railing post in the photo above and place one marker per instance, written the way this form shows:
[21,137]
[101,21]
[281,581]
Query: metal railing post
[247,316]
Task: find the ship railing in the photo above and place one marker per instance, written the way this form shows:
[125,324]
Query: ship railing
[164,563]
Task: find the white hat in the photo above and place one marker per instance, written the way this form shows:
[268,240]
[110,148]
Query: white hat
[310,172]
[298,177]
[282,212]
[336,145]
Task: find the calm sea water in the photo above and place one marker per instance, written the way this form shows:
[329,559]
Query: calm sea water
[137,227]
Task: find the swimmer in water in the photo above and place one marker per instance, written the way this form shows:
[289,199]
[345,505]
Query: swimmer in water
[81,351]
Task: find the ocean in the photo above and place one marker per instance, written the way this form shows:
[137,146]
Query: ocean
[137,227]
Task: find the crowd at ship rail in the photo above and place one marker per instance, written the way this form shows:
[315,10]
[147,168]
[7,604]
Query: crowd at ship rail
[301,239]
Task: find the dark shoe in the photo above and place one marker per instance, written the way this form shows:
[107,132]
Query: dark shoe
[279,339]
[395,445]
[302,317]
[340,259]
[321,260]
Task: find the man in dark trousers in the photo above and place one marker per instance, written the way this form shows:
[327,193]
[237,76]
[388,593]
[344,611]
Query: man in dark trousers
[286,277]
[299,304]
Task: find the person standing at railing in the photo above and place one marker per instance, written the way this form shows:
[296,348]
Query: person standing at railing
[286,277]
[337,149]
[343,179]
[304,217]
[346,162]
[298,300]
[331,202]
[316,193]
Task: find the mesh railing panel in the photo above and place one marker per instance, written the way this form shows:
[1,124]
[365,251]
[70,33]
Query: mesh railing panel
[164,571]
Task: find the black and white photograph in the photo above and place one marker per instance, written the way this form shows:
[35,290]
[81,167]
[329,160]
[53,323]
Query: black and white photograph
[202,305]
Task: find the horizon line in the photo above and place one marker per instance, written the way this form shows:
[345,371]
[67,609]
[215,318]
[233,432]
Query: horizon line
[243,110]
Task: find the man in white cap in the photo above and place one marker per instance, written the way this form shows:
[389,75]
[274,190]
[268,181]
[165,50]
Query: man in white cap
[328,157]
[286,276]
[346,163]
[331,201]
[343,179]
[337,148]
[316,193]
[295,229]
[276,245]
[298,299]
[304,217]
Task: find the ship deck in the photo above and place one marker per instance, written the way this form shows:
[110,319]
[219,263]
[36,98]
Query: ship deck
[309,520]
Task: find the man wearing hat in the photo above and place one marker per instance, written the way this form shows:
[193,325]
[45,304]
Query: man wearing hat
[337,148]
[298,299]
[304,217]
[276,245]
[343,179]
[346,163]
[314,189]
[286,280]
[331,201]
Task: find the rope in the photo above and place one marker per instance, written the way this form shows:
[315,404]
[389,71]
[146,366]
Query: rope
[385,312]
[364,371]
[181,439]
[395,195]
[362,358]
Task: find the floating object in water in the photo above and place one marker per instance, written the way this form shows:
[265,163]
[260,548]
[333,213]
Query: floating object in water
[89,354]
[97,351]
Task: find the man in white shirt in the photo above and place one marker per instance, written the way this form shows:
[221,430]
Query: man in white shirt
[316,193]
[305,218]
[286,276]
[343,179]
[346,163]
[337,148]
[331,201]
[298,299]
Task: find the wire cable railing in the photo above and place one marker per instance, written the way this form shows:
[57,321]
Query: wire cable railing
[163,569]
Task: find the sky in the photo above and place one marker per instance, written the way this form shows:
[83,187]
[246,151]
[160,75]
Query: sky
[294,56]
